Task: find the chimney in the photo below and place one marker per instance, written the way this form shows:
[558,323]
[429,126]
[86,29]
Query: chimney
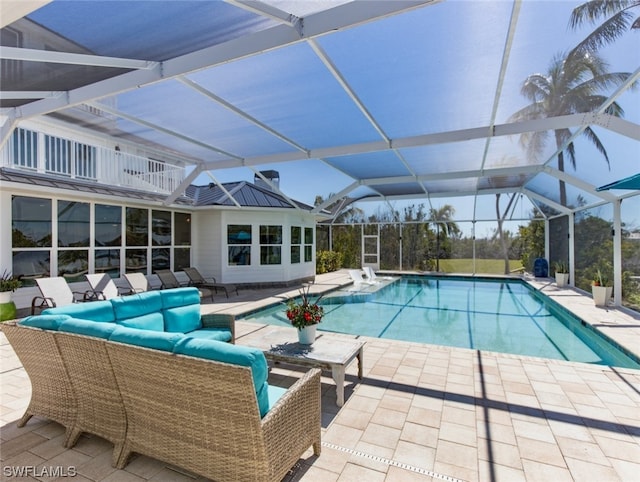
[272,176]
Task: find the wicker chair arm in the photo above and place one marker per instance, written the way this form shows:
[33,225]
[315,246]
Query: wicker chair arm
[220,320]
[294,422]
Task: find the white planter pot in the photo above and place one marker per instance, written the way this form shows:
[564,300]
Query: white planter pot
[5,296]
[562,279]
[307,335]
[601,294]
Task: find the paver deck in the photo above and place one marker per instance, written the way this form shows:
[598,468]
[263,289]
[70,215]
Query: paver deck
[420,413]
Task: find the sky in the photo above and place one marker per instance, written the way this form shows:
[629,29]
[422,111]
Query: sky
[539,36]
[430,70]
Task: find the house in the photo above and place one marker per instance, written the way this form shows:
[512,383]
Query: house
[72,203]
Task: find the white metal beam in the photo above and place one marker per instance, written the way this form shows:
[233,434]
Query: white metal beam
[414,141]
[545,200]
[53,57]
[183,185]
[210,95]
[224,190]
[158,128]
[276,188]
[31,94]
[580,184]
[335,197]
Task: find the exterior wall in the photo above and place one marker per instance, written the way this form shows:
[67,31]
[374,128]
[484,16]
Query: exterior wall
[210,248]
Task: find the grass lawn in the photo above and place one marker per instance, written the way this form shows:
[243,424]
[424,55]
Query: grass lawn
[489,266]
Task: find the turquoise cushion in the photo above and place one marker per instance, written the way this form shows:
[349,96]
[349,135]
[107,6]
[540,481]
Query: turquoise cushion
[234,354]
[181,309]
[182,318]
[136,305]
[219,334]
[46,322]
[274,394]
[94,311]
[142,310]
[97,329]
[152,322]
[175,297]
[158,340]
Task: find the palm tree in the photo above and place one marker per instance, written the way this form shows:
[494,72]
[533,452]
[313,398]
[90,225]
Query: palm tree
[617,16]
[575,83]
[443,218]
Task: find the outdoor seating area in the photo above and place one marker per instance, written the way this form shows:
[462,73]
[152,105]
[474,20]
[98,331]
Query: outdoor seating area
[127,386]
[419,412]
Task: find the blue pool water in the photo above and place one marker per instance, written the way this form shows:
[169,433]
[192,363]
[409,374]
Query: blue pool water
[506,316]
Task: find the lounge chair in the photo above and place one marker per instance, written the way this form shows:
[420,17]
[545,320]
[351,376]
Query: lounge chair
[210,283]
[372,276]
[356,277]
[368,271]
[169,280]
[56,292]
[138,282]
[104,288]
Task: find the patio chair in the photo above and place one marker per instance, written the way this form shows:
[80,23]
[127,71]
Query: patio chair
[104,288]
[169,280]
[56,292]
[371,275]
[356,277]
[138,282]
[210,283]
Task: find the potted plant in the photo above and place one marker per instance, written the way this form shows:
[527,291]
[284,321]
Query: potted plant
[562,273]
[601,289]
[8,284]
[305,316]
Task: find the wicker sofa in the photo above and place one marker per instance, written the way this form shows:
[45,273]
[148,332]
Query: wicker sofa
[201,404]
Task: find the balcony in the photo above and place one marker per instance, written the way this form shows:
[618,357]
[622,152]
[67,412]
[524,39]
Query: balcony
[63,158]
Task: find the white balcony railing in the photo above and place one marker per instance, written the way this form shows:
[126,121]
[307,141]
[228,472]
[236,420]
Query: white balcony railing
[36,152]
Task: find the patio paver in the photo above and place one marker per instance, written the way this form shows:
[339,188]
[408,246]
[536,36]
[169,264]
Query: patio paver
[420,413]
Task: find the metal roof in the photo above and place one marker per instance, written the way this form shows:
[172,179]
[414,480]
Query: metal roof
[399,99]
[243,193]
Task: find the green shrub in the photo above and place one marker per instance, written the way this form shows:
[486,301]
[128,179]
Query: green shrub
[327,261]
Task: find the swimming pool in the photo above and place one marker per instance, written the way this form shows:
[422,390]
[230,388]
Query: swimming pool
[507,316]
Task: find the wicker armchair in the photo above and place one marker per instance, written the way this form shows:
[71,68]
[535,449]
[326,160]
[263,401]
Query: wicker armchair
[52,395]
[100,410]
[203,416]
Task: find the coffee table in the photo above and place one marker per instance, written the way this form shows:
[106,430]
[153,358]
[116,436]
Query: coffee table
[331,353]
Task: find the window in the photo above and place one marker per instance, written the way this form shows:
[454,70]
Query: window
[182,227]
[29,265]
[181,258]
[308,244]
[136,260]
[137,221]
[30,222]
[108,225]
[160,259]
[73,264]
[57,155]
[25,148]
[239,244]
[160,228]
[73,224]
[85,161]
[270,244]
[108,261]
[296,241]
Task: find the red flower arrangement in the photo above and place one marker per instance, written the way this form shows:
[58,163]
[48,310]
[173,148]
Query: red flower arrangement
[304,313]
